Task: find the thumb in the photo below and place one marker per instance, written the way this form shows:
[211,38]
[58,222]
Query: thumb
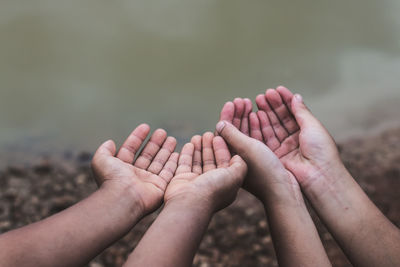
[238,167]
[107,149]
[302,114]
[238,141]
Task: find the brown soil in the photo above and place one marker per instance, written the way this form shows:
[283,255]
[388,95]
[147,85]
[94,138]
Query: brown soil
[237,236]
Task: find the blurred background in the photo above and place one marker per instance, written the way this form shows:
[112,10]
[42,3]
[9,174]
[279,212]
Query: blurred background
[76,73]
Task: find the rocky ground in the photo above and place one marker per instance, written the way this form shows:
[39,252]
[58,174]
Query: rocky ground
[237,236]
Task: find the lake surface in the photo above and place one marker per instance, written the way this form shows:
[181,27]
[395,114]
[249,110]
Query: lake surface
[75,73]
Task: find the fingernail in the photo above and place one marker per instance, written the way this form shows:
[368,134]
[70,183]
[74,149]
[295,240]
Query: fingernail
[298,97]
[220,126]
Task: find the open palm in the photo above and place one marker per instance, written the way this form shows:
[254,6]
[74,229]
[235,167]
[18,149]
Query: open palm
[148,175]
[206,170]
[274,124]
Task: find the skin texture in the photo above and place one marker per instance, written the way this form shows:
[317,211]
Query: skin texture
[207,179]
[127,192]
[267,179]
[307,150]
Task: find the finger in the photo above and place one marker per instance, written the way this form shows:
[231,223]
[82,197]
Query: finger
[303,115]
[151,149]
[196,141]
[163,155]
[185,159]
[275,101]
[268,133]
[106,150]
[278,129]
[227,112]
[248,107]
[239,168]
[208,152]
[239,109]
[132,144]
[221,152]
[168,171]
[286,95]
[236,140]
[255,129]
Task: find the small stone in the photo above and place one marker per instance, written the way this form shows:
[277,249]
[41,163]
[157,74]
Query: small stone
[80,179]
[95,264]
[44,167]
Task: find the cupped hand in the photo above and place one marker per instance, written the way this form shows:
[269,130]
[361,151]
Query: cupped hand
[207,173]
[267,178]
[289,129]
[147,176]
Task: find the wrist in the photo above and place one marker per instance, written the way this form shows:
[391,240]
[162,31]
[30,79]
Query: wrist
[288,195]
[327,182]
[191,202]
[125,198]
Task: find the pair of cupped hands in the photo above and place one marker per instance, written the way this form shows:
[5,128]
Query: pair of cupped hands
[276,150]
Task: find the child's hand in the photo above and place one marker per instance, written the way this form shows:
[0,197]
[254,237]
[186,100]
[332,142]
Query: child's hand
[300,141]
[297,141]
[206,180]
[206,174]
[289,220]
[267,178]
[146,177]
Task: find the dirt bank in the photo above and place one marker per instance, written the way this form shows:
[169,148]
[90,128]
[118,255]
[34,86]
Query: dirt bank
[237,236]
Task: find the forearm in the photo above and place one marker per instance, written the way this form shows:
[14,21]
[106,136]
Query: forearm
[173,238]
[354,221]
[295,238]
[74,236]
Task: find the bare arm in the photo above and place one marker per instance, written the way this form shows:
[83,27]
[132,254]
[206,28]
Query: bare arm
[366,236]
[128,190]
[175,235]
[195,193]
[294,235]
[74,236]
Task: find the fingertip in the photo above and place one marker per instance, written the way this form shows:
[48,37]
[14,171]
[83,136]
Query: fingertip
[196,138]
[236,158]
[239,162]
[109,143]
[161,132]
[252,115]
[298,98]
[248,105]
[285,93]
[269,91]
[260,97]
[108,147]
[170,143]
[229,106]
[220,126]
[172,139]
[281,87]
[237,100]
[260,101]
[144,126]
[296,101]
[188,146]
[218,140]
[208,135]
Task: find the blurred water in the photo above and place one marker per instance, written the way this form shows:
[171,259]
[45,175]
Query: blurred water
[74,73]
